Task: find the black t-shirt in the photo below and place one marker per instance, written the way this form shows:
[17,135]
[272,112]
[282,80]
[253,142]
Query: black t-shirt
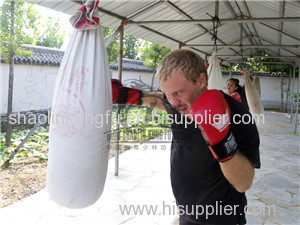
[198,183]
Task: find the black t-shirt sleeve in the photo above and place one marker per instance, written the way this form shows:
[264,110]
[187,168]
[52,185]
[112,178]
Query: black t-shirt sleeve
[245,133]
[249,145]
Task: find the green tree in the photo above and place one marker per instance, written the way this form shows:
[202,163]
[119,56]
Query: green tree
[18,26]
[131,46]
[152,54]
[51,36]
[113,48]
[259,65]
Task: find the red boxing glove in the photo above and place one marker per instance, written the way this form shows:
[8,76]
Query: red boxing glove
[124,95]
[236,96]
[212,113]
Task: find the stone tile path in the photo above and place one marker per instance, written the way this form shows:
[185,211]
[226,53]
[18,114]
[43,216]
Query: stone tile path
[144,181]
[274,197]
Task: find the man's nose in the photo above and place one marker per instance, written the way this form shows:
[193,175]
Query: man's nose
[174,101]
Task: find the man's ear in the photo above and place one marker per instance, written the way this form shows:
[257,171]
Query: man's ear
[202,80]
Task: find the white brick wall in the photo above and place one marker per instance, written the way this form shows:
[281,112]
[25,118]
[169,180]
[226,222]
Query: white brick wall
[34,86]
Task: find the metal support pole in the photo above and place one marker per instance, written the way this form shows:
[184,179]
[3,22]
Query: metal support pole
[297,112]
[245,46]
[241,35]
[230,71]
[112,37]
[281,92]
[117,150]
[281,14]
[294,74]
[225,20]
[217,8]
[143,11]
[36,126]
[241,42]
[288,92]
[297,103]
[286,34]
[292,93]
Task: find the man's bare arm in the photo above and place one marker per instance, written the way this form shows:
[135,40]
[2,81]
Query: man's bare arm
[153,100]
[239,171]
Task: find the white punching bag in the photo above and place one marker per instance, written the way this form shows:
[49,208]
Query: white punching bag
[81,118]
[252,95]
[215,80]
[257,85]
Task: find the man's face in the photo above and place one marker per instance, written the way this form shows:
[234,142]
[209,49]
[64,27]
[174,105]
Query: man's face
[182,93]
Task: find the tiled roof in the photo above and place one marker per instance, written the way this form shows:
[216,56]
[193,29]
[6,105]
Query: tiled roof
[131,65]
[41,56]
[53,57]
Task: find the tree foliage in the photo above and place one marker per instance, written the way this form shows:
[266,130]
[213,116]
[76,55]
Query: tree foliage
[152,54]
[17,28]
[259,65]
[130,45]
[51,36]
[113,48]
[29,28]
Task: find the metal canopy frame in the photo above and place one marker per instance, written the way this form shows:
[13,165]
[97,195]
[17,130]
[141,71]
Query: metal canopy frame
[248,28]
[225,21]
[254,38]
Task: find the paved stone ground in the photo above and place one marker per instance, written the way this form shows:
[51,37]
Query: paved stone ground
[144,181]
[276,184]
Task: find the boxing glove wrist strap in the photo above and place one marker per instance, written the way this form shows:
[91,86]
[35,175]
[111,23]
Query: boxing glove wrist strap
[226,149]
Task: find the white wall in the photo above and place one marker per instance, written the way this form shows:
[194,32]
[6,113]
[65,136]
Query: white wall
[128,78]
[270,89]
[34,86]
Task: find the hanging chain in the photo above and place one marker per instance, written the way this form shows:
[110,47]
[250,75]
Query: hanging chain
[216,24]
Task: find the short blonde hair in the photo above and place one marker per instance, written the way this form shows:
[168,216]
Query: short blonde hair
[183,60]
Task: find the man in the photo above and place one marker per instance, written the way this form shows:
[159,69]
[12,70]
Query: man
[212,162]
